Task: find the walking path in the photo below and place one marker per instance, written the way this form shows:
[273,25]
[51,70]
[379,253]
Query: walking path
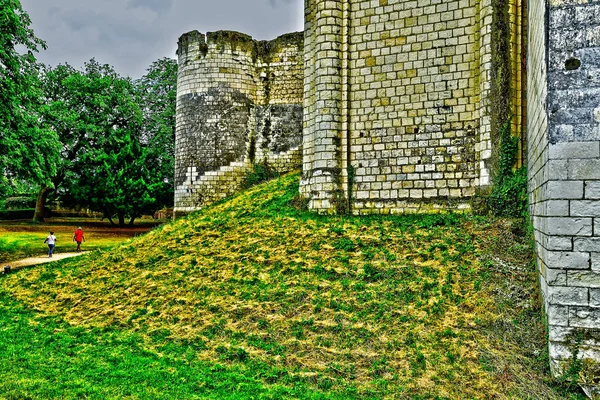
[27,262]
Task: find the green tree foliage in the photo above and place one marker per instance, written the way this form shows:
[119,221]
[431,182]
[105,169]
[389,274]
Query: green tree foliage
[157,92]
[117,138]
[111,176]
[26,149]
[104,164]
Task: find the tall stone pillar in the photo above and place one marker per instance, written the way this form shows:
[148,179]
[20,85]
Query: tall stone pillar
[324,99]
[564,173]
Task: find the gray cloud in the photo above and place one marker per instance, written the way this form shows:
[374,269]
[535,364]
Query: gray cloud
[158,6]
[131,34]
[277,3]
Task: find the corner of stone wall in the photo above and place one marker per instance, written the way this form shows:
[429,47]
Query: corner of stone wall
[564,178]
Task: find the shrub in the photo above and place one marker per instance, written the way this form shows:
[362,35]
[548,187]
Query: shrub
[8,215]
[261,172]
[25,213]
[19,202]
[508,196]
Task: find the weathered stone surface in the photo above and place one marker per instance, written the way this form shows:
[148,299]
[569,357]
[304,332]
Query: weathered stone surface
[400,115]
[560,243]
[589,279]
[567,260]
[584,317]
[401,106]
[569,226]
[570,150]
[592,190]
[564,190]
[239,102]
[585,208]
[587,244]
[557,315]
[565,295]
[595,298]
[564,165]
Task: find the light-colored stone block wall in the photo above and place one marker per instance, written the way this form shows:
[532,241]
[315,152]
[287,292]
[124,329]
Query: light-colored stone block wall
[397,109]
[239,101]
[324,104]
[415,99]
[564,171]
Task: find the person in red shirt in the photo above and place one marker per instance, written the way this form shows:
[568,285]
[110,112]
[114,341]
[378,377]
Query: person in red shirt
[78,237]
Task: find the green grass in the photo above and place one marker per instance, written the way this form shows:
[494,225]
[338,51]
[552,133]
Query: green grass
[287,304]
[23,239]
[45,358]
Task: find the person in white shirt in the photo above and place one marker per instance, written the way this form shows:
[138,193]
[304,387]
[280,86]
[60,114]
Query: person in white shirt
[51,240]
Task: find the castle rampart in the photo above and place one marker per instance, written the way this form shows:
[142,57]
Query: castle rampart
[239,101]
[403,105]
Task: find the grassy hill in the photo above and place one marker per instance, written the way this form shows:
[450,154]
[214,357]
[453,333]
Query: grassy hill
[253,298]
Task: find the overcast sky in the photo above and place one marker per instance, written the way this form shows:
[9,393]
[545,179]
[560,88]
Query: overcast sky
[130,34]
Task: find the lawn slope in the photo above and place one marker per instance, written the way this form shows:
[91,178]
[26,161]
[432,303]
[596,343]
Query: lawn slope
[287,304]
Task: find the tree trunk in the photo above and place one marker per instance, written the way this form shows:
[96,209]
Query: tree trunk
[121,219]
[40,204]
[131,220]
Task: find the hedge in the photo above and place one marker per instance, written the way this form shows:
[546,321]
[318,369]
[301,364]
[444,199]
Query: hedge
[25,213]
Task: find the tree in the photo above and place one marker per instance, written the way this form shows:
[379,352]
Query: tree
[102,121]
[157,92]
[27,150]
[117,138]
[61,112]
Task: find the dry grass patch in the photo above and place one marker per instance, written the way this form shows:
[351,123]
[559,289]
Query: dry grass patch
[404,307]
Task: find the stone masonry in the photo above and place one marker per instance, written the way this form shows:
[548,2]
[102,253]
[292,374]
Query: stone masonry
[564,171]
[397,104]
[239,102]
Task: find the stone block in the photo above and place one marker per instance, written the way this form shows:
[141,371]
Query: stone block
[570,150]
[585,208]
[564,190]
[584,317]
[588,279]
[556,277]
[587,244]
[559,351]
[595,298]
[595,257]
[592,190]
[569,226]
[557,208]
[558,315]
[564,295]
[567,260]
[586,169]
[559,243]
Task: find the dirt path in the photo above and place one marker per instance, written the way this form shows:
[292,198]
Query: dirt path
[41,260]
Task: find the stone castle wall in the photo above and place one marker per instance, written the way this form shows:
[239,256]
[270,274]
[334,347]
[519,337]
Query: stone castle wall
[239,101]
[397,103]
[394,106]
[564,171]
